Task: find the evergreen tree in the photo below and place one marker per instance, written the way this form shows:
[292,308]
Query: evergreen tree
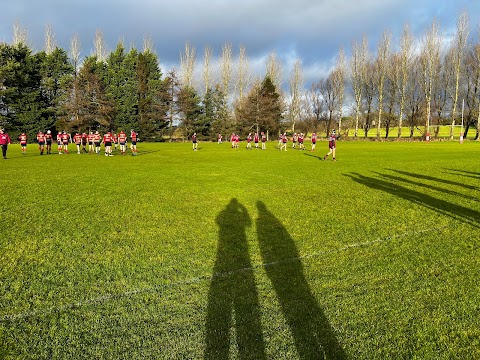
[21,103]
[87,106]
[261,108]
[56,74]
[190,110]
[151,113]
[121,86]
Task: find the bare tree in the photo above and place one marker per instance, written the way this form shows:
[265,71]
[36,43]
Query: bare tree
[477,57]
[207,71]
[75,52]
[458,54]
[226,68]
[49,40]
[406,50]
[382,56]
[339,80]
[100,46]
[330,97]
[429,58]
[358,66]
[147,44]
[243,76]
[187,65]
[295,84]
[274,70]
[315,107]
[19,34]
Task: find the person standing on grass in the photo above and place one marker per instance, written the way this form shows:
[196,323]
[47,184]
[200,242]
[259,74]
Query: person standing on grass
[237,141]
[107,140]
[59,142]
[332,142]
[264,141]
[134,137]
[314,141]
[77,139]
[255,140]
[84,142]
[232,140]
[4,142]
[294,140]
[41,142]
[301,137]
[65,140]
[23,142]
[97,140]
[284,141]
[90,138]
[194,141]
[122,139]
[219,138]
[48,141]
[249,139]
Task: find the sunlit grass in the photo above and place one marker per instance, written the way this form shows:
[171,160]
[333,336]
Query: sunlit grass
[113,257]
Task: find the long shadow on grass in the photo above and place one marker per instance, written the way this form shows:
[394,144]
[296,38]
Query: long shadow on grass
[314,337]
[233,297]
[431,178]
[315,156]
[469,174]
[443,207]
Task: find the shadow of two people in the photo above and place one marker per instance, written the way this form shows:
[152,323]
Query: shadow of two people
[233,297]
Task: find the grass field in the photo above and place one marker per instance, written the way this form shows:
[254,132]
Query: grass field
[225,253]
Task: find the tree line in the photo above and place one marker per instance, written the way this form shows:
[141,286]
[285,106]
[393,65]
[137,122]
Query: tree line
[418,84]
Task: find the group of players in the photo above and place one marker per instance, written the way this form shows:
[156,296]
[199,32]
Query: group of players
[93,140]
[297,139]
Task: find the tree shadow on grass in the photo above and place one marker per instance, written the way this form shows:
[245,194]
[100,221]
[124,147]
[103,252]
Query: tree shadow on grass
[426,186]
[146,152]
[470,174]
[431,178]
[443,207]
[233,297]
[313,335]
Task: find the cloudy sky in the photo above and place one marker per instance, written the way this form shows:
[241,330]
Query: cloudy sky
[310,30]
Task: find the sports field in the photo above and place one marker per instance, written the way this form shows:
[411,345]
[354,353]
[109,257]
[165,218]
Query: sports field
[234,253]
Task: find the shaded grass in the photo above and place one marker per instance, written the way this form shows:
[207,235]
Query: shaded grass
[113,257]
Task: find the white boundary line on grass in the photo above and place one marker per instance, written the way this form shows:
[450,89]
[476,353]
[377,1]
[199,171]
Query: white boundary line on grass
[195,280]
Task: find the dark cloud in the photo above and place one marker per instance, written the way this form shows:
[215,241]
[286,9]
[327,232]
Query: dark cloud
[311,30]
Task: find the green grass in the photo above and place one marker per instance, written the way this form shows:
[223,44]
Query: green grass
[176,254]
[443,133]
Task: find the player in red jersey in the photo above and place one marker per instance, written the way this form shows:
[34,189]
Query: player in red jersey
[65,140]
[48,141]
[255,140]
[232,140]
[332,143]
[107,140]
[314,141]
[122,139]
[41,142]
[264,141]
[77,139]
[284,141]
[97,140]
[84,142]
[194,141]
[23,142]
[59,142]
[301,137]
[4,142]
[133,146]
[90,142]
[237,141]
[249,139]
[294,140]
